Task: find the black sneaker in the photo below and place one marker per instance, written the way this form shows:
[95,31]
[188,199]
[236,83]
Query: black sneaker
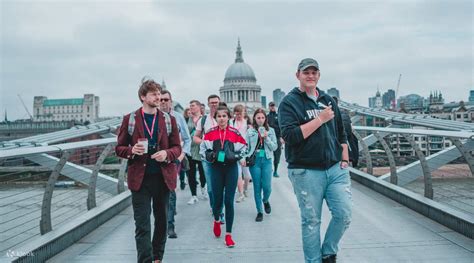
[275,174]
[171,232]
[259,217]
[329,259]
[268,208]
[182,185]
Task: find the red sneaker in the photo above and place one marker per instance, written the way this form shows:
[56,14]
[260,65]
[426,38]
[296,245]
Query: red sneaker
[217,228]
[228,241]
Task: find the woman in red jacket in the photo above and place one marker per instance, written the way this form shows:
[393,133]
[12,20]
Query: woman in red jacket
[223,147]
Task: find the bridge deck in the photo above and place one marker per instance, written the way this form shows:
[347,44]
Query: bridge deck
[381,231]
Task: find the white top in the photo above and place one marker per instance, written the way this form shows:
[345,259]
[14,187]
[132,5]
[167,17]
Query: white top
[240,125]
[210,123]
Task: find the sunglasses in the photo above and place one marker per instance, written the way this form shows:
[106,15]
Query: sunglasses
[165,100]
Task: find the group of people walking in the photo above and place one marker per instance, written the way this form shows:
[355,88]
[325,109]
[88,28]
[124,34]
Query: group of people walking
[230,151]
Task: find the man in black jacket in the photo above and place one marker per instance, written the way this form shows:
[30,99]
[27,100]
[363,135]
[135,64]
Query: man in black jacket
[317,156]
[272,118]
[352,140]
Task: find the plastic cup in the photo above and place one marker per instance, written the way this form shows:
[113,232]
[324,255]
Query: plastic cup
[144,143]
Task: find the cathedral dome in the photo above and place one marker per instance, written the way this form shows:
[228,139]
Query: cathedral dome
[239,70]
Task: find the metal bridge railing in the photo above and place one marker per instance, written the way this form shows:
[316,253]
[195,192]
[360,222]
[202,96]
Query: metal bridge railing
[443,174]
[44,187]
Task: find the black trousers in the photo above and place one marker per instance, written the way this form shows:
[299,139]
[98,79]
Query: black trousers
[153,194]
[193,164]
[224,182]
[276,156]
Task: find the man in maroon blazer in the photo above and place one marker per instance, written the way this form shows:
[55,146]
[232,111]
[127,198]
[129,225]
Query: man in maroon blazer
[151,170]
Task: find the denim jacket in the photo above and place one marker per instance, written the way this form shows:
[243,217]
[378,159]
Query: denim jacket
[270,142]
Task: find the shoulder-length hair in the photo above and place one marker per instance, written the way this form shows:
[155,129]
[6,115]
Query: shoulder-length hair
[254,122]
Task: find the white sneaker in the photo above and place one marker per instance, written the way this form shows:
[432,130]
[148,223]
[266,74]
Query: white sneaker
[193,200]
[204,193]
[241,198]
[246,193]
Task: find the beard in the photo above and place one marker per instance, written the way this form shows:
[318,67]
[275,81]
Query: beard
[153,104]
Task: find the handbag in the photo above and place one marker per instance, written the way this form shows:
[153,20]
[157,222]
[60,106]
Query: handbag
[250,161]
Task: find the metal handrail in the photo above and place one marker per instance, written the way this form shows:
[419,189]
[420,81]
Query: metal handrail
[55,148]
[442,133]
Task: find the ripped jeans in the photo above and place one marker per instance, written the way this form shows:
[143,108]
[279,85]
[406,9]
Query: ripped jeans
[311,186]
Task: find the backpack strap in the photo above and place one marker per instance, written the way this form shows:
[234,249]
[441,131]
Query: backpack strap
[168,123]
[131,123]
[203,122]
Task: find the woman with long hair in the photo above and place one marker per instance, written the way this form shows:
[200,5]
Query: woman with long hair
[262,143]
[241,124]
[223,146]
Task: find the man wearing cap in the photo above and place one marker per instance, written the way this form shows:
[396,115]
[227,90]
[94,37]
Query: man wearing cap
[317,156]
[272,118]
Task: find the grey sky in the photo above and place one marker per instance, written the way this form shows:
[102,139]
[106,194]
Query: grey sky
[68,48]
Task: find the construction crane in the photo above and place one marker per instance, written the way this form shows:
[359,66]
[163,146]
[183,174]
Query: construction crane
[394,101]
[26,109]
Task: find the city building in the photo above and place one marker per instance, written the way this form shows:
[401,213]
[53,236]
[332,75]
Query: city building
[240,84]
[278,95]
[264,102]
[411,103]
[435,102]
[84,109]
[388,99]
[376,102]
[333,92]
[427,144]
[471,96]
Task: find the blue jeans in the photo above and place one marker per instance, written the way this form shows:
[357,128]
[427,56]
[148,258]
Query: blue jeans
[262,181]
[207,173]
[171,208]
[311,186]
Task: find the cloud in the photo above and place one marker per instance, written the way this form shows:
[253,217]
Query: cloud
[66,49]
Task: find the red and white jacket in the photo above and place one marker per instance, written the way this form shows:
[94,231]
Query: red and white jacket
[229,140]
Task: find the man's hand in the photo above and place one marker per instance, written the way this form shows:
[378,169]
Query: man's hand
[326,115]
[160,156]
[138,149]
[344,164]
[181,157]
[243,163]
[282,141]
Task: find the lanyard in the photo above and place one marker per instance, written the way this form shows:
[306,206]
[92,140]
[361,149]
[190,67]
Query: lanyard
[152,125]
[260,138]
[222,139]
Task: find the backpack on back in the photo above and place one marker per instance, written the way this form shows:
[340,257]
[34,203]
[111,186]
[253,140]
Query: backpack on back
[131,123]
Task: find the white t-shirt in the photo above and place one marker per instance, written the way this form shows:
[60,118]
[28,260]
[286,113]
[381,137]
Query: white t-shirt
[208,124]
[240,125]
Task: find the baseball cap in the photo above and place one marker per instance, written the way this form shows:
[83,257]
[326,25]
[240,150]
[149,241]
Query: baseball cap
[306,63]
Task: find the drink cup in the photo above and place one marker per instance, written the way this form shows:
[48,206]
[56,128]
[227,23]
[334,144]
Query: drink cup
[144,142]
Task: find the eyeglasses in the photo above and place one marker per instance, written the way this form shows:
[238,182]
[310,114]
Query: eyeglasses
[165,100]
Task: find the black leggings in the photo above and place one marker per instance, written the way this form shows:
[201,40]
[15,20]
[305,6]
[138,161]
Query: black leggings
[224,183]
[192,175]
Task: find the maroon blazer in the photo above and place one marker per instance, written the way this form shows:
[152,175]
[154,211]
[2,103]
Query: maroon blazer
[136,163]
